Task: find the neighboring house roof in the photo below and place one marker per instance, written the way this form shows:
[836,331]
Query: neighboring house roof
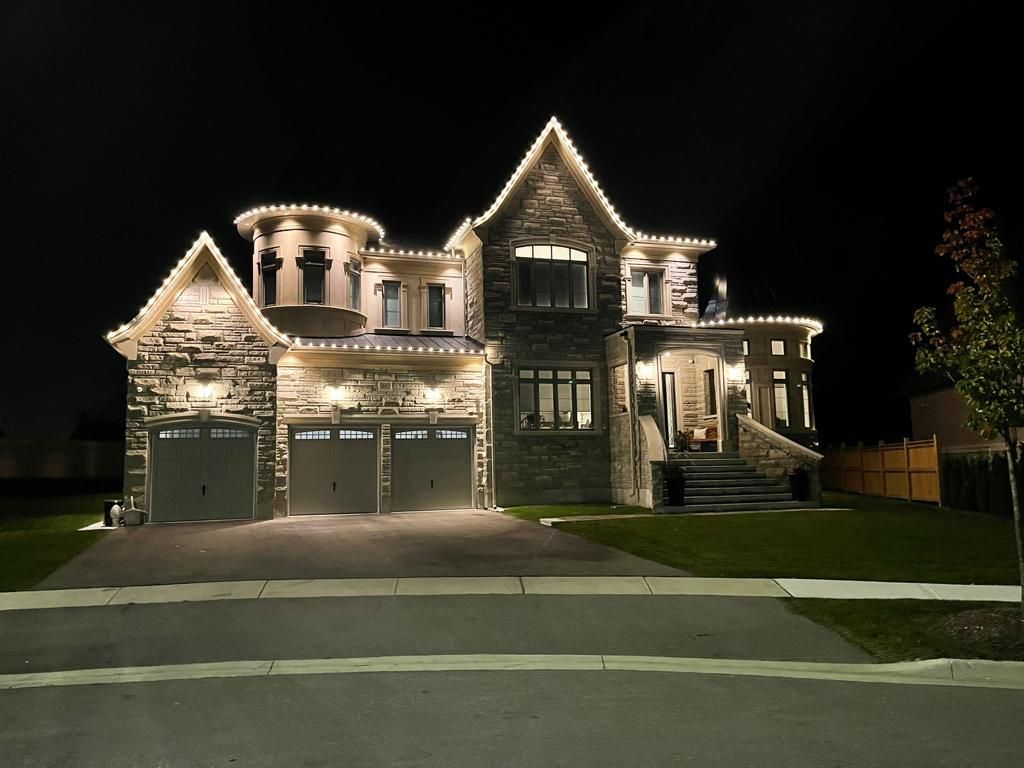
[555,134]
[383,342]
[204,252]
[754,302]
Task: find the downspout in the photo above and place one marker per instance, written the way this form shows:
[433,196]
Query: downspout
[489,443]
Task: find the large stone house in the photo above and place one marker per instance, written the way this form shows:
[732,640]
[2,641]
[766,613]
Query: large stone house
[547,353]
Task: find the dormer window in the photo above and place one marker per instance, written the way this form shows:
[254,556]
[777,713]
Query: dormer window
[268,277]
[646,291]
[554,276]
[314,276]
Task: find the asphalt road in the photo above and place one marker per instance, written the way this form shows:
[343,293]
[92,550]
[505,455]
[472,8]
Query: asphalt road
[177,633]
[478,719]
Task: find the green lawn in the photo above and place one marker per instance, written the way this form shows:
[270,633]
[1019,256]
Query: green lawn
[878,539]
[572,510]
[904,630]
[38,534]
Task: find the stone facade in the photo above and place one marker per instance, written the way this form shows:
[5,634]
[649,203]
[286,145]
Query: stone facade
[204,338]
[544,466]
[376,392]
[776,456]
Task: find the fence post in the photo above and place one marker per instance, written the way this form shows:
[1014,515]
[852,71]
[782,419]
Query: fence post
[938,467]
[906,466]
[881,467]
[860,461]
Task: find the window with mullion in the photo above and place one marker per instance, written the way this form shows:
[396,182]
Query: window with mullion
[268,277]
[557,400]
[646,292]
[555,276]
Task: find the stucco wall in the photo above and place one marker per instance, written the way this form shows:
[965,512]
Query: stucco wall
[546,467]
[203,338]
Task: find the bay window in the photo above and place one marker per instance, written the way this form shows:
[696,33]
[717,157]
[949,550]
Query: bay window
[268,277]
[355,284]
[392,304]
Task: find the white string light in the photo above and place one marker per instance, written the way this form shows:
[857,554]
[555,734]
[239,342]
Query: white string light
[311,208]
[809,322]
[555,127]
[203,241]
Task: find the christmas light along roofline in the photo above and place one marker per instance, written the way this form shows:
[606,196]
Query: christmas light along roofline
[285,208]
[298,343]
[555,126]
[809,322]
[204,239]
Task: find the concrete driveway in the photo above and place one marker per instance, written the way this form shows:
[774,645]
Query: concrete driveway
[458,543]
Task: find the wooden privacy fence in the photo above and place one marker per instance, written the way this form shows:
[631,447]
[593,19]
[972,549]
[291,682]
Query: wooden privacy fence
[907,470]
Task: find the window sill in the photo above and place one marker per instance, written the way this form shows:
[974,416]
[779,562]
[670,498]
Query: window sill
[436,332]
[632,316]
[393,331]
[557,310]
[557,432]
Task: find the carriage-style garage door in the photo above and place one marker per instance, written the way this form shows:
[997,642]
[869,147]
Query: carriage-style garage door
[333,470]
[431,468]
[202,472]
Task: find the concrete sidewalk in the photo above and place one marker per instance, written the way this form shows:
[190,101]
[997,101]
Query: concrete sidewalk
[506,585]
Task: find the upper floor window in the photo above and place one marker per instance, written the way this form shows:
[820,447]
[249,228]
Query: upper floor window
[555,399]
[392,304]
[778,347]
[805,398]
[435,306]
[268,277]
[646,292]
[552,276]
[355,284]
[314,275]
[805,350]
[746,347]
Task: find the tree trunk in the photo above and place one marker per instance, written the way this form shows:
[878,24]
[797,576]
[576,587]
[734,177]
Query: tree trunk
[1013,463]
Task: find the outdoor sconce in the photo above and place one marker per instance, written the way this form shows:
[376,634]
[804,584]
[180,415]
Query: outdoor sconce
[433,395]
[204,391]
[734,374]
[644,370]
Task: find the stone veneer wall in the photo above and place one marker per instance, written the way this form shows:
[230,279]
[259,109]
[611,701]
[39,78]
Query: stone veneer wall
[545,467]
[475,295]
[204,337]
[302,391]
[776,459]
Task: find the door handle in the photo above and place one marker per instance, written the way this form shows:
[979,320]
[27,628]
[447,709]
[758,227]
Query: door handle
[431,483]
[334,486]
[204,489]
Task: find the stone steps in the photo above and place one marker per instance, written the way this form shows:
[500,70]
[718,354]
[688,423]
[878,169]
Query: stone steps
[724,482]
[756,479]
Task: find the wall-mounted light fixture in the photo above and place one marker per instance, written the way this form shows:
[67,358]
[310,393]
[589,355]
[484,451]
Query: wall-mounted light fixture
[644,369]
[432,395]
[734,374]
[205,391]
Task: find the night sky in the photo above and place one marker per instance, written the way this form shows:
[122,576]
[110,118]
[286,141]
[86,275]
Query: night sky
[813,142]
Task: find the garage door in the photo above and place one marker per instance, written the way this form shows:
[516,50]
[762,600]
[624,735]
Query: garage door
[431,468]
[202,472]
[333,471]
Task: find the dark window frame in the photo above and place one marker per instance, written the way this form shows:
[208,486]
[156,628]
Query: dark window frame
[710,393]
[572,278]
[443,289]
[384,284]
[305,262]
[647,270]
[269,263]
[574,381]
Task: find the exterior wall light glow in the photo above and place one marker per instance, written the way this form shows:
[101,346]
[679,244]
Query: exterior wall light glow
[644,369]
[205,391]
[734,374]
[335,394]
[432,395]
